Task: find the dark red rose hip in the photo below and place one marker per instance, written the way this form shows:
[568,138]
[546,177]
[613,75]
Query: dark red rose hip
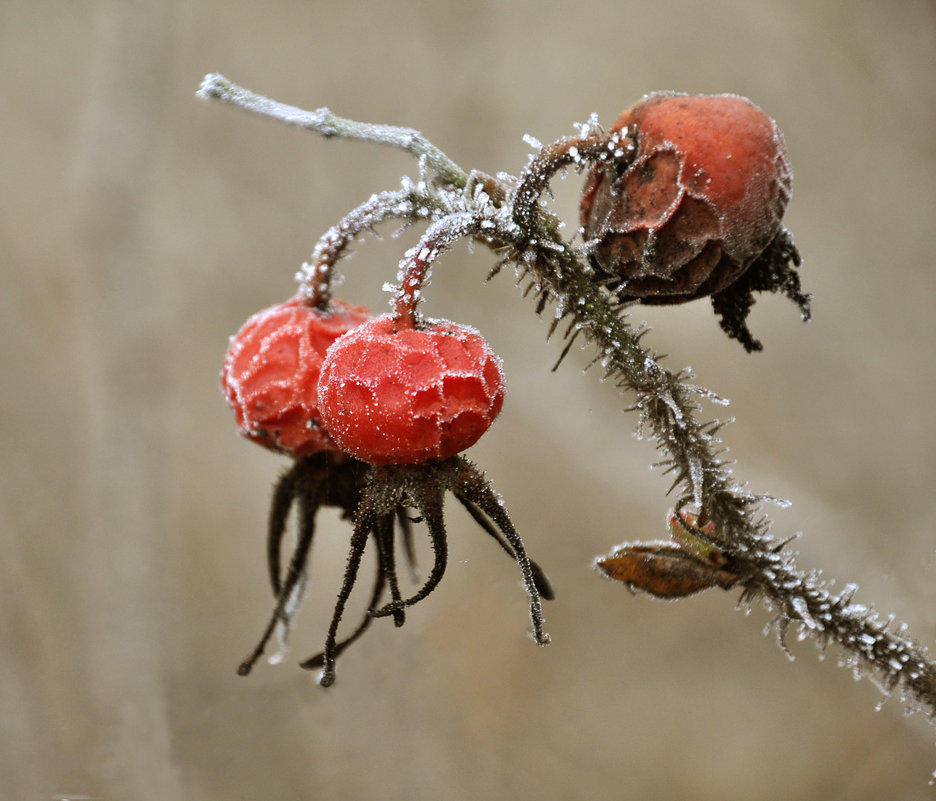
[699,202]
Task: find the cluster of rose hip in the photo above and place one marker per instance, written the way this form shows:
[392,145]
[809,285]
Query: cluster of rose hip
[303,380]
[375,410]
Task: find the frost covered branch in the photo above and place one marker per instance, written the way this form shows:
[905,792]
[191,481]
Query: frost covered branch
[506,215]
[324,123]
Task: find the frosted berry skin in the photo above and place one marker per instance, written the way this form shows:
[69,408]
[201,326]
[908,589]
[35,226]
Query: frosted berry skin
[701,199]
[410,395]
[271,371]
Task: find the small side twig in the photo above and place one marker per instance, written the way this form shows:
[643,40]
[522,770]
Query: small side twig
[324,123]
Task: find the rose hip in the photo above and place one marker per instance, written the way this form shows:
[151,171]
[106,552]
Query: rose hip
[271,370]
[404,396]
[700,201]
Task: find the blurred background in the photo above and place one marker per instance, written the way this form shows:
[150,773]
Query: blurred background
[139,227]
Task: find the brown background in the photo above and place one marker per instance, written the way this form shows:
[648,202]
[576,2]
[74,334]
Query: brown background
[139,227]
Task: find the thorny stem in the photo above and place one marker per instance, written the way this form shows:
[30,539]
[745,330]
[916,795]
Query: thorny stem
[667,406]
[667,403]
[323,122]
[894,660]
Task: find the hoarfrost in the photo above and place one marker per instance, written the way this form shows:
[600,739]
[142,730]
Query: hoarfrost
[854,610]
[802,609]
[586,128]
[285,623]
[697,476]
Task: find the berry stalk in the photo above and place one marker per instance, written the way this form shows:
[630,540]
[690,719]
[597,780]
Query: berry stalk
[593,146]
[412,202]
[414,268]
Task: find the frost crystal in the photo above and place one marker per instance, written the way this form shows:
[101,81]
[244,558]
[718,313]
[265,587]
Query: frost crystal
[587,128]
[696,476]
[802,609]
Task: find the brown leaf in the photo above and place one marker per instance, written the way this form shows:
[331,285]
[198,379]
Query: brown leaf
[663,570]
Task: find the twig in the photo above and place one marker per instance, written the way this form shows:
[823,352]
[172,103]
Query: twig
[323,122]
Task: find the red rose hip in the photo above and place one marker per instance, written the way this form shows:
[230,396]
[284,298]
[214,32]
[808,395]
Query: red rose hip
[404,396]
[271,370]
[701,199]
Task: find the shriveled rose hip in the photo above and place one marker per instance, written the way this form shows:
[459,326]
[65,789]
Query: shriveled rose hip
[271,370]
[700,201]
[410,395]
